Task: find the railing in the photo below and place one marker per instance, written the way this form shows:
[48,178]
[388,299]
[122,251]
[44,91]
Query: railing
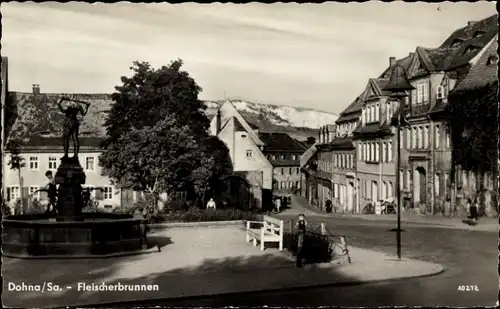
[337,243]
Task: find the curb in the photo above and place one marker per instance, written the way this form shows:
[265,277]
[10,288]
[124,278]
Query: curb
[83,256]
[197,224]
[242,294]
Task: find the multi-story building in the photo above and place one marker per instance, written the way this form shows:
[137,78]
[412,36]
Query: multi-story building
[374,143]
[425,136]
[481,80]
[329,166]
[284,154]
[42,151]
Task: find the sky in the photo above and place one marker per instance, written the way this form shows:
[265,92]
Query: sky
[304,55]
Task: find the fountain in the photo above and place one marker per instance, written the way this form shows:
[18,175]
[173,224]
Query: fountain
[71,232]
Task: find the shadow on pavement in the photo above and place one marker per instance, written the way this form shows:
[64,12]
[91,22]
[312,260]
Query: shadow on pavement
[235,275]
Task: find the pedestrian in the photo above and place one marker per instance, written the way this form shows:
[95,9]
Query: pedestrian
[301,233]
[473,213]
[278,204]
[211,204]
[328,206]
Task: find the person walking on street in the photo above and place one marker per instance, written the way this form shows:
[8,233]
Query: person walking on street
[278,204]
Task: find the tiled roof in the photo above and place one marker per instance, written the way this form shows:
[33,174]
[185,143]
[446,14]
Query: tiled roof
[405,63]
[39,113]
[344,142]
[280,142]
[37,141]
[469,31]
[481,73]
[252,121]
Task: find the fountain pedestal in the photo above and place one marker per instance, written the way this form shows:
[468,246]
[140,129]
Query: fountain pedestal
[70,177]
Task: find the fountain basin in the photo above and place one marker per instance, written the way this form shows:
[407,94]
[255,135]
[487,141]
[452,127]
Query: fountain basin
[94,234]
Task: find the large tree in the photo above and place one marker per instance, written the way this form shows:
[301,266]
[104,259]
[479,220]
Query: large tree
[157,134]
[152,94]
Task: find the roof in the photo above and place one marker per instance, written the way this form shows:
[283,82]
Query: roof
[27,119]
[54,142]
[280,142]
[404,62]
[483,72]
[352,111]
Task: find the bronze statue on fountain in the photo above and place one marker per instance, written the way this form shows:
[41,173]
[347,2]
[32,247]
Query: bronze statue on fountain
[70,176]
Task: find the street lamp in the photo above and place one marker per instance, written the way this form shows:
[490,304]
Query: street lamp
[398,85]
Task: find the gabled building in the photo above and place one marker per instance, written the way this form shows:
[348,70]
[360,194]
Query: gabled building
[425,136]
[283,152]
[329,166]
[246,152]
[374,139]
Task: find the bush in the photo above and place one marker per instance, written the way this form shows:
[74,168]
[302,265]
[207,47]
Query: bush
[36,207]
[317,247]
[6,211]
[195,214]
[91,206]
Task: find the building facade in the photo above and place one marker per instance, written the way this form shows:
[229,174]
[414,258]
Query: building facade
[283,152]
[42,153]
[374,140]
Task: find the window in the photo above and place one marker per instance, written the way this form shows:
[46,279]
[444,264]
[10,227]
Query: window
[456,43]
[426,137]
[401,179]
[436,184]
[366,155]
[384,191]
[414,96]
[52,163]
[408,138]
[401,140]
[283,170]
[414,138]
[388,111]
[447,184]
[420,138]
[297,185]
[34,163]
[464,177]
[408,180]
[363,115]
[384,152]
[437,136]
[389,190]
[89,163]
[420,93]
[13,193]
[108,192]
[377,112]
[492,60]
[290,171]
[360,154]
[290,185]
[389,151]
[274,157]
[283,184]
[294,157]
[377,151]
[297,170]
[249,153]
[32,190]
[469,49]
[282,157]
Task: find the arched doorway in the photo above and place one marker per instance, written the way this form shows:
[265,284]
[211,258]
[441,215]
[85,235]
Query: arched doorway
[234,193]
[419,186]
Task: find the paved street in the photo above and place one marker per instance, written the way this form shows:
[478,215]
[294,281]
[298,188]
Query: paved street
[470,258]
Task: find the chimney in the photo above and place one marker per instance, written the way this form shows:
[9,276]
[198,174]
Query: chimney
[392,61]
[36,89]
[471,23]
[218,123]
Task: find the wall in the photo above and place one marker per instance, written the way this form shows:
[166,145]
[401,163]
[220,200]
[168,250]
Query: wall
[239,143]
[37,177]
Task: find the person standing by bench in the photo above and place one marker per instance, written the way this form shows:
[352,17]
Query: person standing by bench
[301,234]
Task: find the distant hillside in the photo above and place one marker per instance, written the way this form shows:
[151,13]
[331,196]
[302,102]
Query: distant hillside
[25,119]
[299,122]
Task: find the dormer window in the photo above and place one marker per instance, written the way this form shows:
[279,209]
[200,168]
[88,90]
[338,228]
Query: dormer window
[456,43]
[492,60]
[469,49]
[478,34]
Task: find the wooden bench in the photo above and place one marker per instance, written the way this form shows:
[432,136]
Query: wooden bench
[271,230]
